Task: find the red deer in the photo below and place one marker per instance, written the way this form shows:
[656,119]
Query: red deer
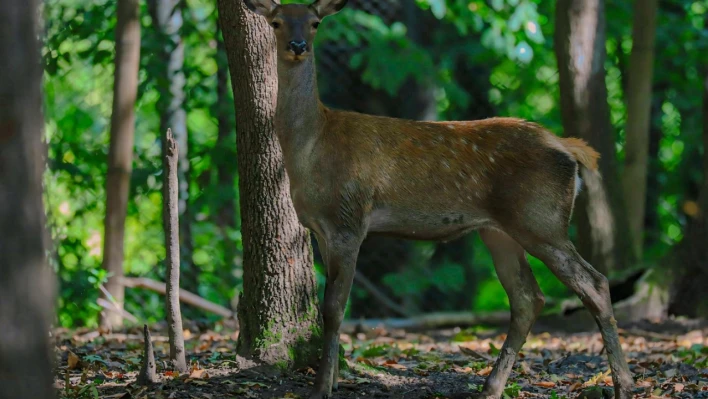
[353,174]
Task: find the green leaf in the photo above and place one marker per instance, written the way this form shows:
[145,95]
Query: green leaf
[523,52]
[438,8]
[498,5]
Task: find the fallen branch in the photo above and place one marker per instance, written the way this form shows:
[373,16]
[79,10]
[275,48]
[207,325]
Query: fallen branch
[380,295]
[112,307]
[429,321]
[148,370]
[186,297]
[118,337]
[646,334]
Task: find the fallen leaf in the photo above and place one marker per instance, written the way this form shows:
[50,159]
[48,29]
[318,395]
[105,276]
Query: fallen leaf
[198,373]
[545,384]
[485,371]
[73,361]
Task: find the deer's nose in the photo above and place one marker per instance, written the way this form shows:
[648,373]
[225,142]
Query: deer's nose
[298,47]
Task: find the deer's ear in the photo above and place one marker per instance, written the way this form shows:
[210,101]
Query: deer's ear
[261,7]
[324,8]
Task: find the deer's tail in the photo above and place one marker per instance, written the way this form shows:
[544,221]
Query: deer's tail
[582,152]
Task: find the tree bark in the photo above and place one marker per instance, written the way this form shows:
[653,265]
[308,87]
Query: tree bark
[603,236]
[278,313]
[167,19]
[26,281]
[120,153]
[641,72]
[170,217]
[148,370]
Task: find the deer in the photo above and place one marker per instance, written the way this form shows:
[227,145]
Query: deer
[353,174]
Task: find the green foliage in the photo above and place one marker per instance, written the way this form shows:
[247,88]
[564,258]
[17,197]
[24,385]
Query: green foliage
[512,390]
[495,55]
[78,54]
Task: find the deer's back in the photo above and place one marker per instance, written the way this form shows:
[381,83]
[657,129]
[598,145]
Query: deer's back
[458,174]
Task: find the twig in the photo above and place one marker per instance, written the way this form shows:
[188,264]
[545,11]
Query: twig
[380,295]
[148,373]
[170,217]
[185,296]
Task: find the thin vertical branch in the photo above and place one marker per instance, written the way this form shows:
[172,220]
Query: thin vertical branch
[170,217]
[148,374]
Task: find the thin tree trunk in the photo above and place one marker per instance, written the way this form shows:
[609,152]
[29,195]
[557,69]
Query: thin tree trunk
[167,18]
[691,257]
[120,153]
[654,184]
[26,282]
[225,156]
[641,72]
[603,237]
[170,218]
[278,313]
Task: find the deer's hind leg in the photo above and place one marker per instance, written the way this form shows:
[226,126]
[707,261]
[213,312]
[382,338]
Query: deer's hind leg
[525,298]
[593,289]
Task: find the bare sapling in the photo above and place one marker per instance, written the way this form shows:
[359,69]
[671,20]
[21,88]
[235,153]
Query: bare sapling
[148,372]
[170,219]
[353,174]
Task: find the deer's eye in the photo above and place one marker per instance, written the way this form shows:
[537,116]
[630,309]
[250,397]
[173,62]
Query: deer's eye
[315,25]
[275,25]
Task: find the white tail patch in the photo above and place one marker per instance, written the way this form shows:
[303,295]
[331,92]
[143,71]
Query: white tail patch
[578,184]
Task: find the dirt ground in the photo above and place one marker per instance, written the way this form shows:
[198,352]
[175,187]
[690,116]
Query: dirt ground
[668,360]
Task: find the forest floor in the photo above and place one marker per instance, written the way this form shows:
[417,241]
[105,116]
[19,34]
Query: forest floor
[668,360]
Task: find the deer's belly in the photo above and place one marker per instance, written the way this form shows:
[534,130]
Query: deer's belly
[421,225]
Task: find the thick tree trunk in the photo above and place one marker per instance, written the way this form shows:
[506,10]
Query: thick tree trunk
[26,282]
[641,72]
[167,19]
[278,313]
[120,153]
[691,257]
[603,237]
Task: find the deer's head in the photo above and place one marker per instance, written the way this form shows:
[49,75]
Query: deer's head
[295,25]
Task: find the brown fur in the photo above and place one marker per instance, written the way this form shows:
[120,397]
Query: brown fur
[585,154]
[352,175]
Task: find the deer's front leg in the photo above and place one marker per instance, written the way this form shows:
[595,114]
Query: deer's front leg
[342,250]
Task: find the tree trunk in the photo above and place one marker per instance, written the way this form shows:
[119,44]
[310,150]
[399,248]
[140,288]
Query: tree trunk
[655,187]
[167,19]
[225,152]
[278,313]
[170,218]
[120,152]
[603,237]
[691,257]
[26,282]
[641,72]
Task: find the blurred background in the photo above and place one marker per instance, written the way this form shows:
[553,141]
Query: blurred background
[416,59]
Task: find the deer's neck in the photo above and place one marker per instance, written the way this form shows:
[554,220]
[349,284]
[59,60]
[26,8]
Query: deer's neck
[299,114]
